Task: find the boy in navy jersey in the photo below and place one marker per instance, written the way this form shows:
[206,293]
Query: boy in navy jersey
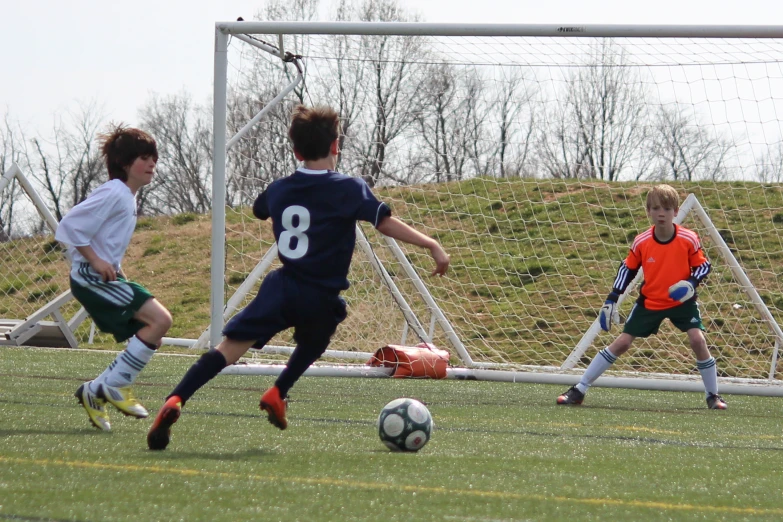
[314,213]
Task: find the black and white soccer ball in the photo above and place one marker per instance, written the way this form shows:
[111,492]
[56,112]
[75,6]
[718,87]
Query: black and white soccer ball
[405,425]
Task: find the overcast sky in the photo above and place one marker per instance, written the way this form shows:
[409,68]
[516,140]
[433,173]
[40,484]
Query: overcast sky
[59,54]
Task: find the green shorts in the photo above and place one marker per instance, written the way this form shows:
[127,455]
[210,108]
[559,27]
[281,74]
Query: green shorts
[110,314]
[642,322]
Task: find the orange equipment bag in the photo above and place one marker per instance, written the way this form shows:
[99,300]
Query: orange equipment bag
[422,360]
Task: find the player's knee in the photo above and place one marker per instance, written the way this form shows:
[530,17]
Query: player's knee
[162,321]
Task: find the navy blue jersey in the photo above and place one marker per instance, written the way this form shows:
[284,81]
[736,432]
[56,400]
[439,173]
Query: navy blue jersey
[314,215]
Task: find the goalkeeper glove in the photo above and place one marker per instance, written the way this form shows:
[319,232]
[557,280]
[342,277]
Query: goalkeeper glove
[609,313]
[683,290]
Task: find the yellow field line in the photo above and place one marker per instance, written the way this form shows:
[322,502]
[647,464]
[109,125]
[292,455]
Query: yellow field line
[325,481]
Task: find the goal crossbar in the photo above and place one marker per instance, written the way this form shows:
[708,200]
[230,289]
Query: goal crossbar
[454,29]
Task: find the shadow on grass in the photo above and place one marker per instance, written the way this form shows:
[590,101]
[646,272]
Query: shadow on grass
[244,455]
[30,431]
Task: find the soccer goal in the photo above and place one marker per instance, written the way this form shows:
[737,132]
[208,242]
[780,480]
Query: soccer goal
[527,150]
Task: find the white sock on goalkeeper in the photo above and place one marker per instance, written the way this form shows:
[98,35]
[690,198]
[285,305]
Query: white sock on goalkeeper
[602,361]
[126,367]
[709,374]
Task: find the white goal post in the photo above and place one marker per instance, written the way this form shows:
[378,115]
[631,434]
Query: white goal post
[527,150]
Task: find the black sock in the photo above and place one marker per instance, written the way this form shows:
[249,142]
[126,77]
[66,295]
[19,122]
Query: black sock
[148,345]
[299,362]
[208,365]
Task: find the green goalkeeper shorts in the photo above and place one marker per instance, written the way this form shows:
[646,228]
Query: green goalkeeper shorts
[109,314]
[642,322]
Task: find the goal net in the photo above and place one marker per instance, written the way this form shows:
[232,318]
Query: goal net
[527,151]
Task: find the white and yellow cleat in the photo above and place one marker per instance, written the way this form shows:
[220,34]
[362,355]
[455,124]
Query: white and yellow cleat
[124,400]
[94,406]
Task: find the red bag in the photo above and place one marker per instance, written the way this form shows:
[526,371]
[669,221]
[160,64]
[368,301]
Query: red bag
[422,360]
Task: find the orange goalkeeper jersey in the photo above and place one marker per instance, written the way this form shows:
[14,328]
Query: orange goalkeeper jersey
[665,264]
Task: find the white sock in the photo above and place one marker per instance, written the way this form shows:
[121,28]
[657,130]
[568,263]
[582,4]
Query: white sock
[126,367]
[602,361]
[709,375]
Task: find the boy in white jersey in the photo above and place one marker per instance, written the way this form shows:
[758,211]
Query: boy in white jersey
[97,232]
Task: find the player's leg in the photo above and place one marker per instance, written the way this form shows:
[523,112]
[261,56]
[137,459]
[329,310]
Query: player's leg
[111,306]
[707,368]
[150,320]
[602,361]
[687,318]
[259,321]
[640,323]
[204,370]
[318,312]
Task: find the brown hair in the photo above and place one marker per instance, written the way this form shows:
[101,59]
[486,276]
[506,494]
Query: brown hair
[121,145]
[313,130]
[665,195]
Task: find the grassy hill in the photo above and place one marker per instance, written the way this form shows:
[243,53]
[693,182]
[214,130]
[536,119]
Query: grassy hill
[532,261]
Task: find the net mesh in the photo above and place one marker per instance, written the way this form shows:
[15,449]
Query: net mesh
[529,159]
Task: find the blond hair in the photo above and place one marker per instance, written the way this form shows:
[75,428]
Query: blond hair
[664,195]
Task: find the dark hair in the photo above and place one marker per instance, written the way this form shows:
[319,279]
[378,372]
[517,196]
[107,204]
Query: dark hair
[313,130]
[121,145]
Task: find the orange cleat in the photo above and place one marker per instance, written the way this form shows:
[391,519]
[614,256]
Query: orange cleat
[160,432]
[275,407]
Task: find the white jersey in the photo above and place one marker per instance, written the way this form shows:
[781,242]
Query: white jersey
[105,221]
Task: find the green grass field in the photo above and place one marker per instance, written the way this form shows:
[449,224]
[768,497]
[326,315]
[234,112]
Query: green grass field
[499,452]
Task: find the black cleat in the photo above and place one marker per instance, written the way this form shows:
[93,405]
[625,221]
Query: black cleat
[571,396]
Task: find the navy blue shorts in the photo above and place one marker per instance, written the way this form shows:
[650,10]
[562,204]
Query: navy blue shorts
[283,302]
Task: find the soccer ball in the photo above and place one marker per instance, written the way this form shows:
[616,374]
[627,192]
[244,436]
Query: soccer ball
[405,425]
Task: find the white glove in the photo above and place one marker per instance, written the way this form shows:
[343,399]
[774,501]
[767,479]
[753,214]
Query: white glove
[609,313]
[682,291]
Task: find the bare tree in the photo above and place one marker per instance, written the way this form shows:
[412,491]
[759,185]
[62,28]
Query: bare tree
[450,126]
[69,165]
[264,153]
[685,150]
[516,120]
[600,128]
[183,132]
[347,94]
[392,89]
[10,136]
[770,164]
[562,151]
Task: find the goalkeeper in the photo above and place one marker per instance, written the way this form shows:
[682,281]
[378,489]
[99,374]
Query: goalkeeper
[674,265]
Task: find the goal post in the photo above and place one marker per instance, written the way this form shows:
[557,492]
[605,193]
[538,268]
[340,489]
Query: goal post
[527,150]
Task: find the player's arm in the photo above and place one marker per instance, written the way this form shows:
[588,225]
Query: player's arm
[77,229]
[394,228]
[686,289]
[622,280]
[104,268]
[261,207]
